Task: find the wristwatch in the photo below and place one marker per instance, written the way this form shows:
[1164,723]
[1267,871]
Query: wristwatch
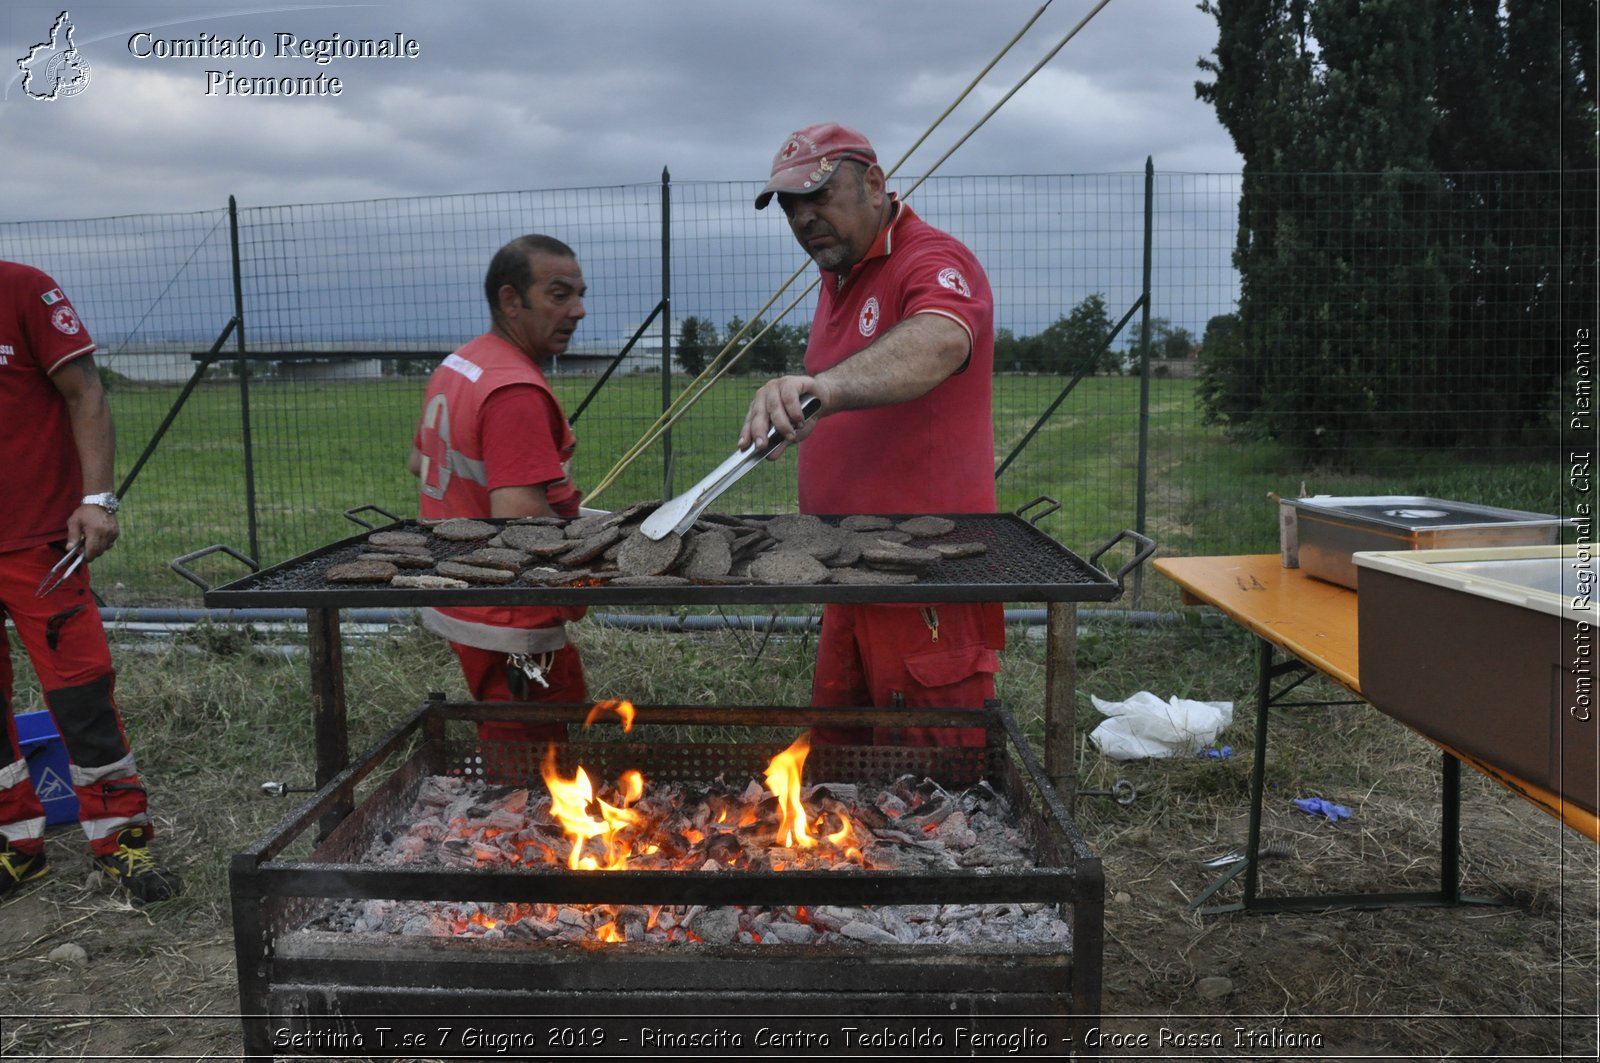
[105,500]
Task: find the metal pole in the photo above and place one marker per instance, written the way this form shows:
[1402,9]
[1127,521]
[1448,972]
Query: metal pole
[244,382]
[1060,700]
[666,327]
[1144,371]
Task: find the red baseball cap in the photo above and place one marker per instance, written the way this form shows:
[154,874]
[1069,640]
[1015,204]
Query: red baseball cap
[808,158]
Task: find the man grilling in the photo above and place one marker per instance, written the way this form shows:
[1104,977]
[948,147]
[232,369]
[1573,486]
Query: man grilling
[901,355]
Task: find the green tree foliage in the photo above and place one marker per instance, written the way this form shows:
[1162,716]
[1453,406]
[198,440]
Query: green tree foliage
[1068,345]
[697,344]
[1416,216]
[781,350]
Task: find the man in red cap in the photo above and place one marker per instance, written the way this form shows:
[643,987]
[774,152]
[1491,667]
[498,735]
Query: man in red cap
[901,355]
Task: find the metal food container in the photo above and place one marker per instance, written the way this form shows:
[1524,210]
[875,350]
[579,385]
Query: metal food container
[1332,528]
[1490,651]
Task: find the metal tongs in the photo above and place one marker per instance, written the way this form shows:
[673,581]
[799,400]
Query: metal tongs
[679,514]
[61,570]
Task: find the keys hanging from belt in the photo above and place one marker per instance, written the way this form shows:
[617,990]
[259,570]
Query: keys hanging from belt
[533,665]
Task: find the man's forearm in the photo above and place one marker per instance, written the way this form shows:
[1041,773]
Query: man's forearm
[908,361]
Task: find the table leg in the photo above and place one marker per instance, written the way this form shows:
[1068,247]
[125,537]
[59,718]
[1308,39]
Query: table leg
[1258,769]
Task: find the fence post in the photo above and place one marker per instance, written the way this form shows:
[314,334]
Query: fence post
[243,367]
[666,328]
[1144,371]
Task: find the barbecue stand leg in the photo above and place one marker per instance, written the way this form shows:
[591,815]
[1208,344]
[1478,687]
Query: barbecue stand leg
[326,653]
[1060,700]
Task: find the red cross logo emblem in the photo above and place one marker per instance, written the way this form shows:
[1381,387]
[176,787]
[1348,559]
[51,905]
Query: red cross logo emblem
[790,150]
[869,317]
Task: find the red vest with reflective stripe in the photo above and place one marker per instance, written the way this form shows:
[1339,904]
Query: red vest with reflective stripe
[454,481]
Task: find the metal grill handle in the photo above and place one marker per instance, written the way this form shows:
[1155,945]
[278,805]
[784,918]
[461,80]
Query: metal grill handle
[1147,546]
[178,563]
[350,514]
[1042,500]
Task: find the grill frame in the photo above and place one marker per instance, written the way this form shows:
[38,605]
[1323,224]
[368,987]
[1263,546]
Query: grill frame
[285,970]
[1022,564]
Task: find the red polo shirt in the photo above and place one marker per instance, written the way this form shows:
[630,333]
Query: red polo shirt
[39,333]
[934,454]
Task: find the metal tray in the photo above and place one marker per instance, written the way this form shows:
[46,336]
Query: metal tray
[1021,564]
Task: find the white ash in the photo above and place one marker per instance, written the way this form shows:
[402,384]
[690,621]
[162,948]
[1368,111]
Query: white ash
[910,825]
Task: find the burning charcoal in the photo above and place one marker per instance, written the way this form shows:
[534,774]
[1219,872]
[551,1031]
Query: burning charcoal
[782,933]
[954,833]
[633,922]
[896,927]
[918,913]
[716,926]
[843,792]
[891,805]
[457,853]
[418,926]
[567,915]
[725,849]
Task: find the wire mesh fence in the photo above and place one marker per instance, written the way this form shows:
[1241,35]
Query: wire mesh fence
[306,408]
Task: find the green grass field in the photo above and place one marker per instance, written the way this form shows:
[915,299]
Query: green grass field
[320,449]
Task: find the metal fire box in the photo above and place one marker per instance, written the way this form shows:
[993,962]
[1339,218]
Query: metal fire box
[305,988]
[1332,528]
[1490,651]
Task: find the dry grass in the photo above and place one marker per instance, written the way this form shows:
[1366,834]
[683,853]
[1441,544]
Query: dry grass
[218,711]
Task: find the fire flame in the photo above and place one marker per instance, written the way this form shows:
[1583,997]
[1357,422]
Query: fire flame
[621,708]
[783,779]
[571,801]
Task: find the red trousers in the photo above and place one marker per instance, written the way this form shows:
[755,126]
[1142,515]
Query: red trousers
[66,646]
[942,656]
[489,678]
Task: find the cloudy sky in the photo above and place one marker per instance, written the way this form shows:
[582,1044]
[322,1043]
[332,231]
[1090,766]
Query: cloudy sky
[536,94]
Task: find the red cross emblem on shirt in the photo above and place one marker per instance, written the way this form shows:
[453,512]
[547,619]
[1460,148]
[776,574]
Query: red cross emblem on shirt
[868,322]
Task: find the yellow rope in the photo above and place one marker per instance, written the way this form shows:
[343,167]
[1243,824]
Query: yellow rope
[731,352]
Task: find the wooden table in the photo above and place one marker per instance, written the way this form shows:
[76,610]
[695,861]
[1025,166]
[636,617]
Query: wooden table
[1305,627]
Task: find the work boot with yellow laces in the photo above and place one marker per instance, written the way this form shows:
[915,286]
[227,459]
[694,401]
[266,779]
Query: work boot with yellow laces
[18,867]
[133,868]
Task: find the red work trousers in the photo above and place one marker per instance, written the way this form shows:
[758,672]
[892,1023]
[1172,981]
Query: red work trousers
[489,678]
[66,646]
[930,656]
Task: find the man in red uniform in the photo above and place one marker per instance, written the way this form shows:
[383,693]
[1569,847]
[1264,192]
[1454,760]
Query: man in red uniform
[493,441]
[57,449]
[901,355]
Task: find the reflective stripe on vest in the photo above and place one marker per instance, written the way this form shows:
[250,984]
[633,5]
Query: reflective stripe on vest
[436,418]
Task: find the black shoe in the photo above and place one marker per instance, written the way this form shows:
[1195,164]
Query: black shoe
[17,868]
[133,869]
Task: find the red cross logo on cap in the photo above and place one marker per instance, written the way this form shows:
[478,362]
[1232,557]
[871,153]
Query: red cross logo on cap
[790,150]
